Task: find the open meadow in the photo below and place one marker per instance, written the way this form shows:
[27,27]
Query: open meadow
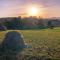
[40,43]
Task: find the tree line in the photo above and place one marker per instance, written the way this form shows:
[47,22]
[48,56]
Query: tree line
[19,24]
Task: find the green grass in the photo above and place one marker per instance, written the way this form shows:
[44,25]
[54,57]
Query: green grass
[42,42]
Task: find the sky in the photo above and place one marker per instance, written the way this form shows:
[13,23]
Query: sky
[12,8]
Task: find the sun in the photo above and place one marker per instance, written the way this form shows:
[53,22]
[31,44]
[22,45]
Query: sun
[33,11]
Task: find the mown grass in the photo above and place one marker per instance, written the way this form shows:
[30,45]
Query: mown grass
[40,42]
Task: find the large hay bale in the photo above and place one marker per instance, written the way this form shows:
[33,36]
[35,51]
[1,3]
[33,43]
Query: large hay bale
[12,44]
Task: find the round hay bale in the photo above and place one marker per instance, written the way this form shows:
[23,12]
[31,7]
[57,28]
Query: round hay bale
[13,43]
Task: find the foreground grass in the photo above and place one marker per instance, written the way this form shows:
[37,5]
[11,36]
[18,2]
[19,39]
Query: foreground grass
[40,42]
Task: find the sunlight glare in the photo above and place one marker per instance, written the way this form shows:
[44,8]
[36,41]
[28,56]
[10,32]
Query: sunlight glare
[33,11]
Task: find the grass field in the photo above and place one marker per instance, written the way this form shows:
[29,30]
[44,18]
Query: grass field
[44,42]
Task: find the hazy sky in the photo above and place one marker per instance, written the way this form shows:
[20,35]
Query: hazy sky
[51,8]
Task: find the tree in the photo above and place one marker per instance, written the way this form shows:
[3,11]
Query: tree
[2,27]
[50,25]
[41,24]
[15,23]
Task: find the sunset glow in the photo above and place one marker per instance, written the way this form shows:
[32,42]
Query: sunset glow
[33,11]
[11,8]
